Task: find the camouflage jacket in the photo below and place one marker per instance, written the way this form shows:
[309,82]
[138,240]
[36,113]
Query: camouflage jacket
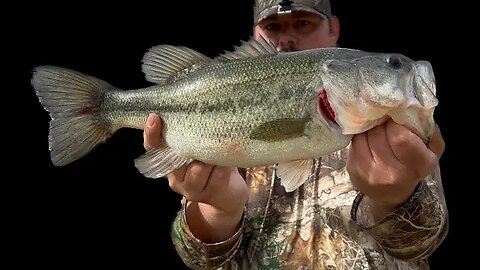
[324,224]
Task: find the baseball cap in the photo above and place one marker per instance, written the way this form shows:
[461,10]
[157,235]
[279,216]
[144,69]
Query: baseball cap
[265,8]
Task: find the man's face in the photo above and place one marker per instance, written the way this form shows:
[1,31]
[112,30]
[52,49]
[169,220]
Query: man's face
[298,31]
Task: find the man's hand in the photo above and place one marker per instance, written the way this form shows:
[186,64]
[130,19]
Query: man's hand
[218,194]
[387,162]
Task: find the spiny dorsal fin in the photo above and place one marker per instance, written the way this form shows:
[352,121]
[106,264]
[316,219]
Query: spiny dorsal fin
[164,61]
[252,48]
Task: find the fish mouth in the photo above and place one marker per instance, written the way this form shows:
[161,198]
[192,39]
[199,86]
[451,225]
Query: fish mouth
[325,108]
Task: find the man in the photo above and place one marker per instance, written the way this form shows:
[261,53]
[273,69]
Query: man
[378,204]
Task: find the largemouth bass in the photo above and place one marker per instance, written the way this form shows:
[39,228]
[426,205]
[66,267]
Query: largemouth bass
[248,107]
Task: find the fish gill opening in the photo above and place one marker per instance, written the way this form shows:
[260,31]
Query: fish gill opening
[325,107]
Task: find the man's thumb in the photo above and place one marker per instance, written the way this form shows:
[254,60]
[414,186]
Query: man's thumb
[152,133]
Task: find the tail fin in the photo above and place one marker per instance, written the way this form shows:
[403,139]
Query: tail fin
[73,100]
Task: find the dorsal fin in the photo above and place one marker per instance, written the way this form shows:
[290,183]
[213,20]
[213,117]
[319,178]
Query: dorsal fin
[164,61]
[252,48]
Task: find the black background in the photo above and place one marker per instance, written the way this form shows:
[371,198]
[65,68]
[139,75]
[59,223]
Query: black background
[99,211]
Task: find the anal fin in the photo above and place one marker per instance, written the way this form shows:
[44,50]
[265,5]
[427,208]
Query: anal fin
[159,162]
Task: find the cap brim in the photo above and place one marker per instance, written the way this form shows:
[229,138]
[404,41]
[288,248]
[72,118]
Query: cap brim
[275,10]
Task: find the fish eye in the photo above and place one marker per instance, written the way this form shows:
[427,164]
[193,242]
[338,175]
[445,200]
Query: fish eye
[394,61]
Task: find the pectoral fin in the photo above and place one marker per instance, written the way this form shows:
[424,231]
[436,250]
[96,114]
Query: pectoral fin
[280,129]
[293,174]
[159,162]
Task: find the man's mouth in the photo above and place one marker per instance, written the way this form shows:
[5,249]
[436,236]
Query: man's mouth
[325,107]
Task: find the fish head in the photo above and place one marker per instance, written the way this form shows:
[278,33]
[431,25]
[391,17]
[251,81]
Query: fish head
[367,90]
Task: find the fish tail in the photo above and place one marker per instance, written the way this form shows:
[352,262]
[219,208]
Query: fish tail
[73,101]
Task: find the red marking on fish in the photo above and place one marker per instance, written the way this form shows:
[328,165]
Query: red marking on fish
[325,107]
[85,110]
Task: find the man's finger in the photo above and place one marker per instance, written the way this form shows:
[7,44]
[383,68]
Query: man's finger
[176,178]
[436,143]
[407,147]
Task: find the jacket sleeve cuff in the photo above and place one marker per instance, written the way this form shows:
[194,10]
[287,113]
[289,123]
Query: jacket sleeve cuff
[409,232]
[199,255]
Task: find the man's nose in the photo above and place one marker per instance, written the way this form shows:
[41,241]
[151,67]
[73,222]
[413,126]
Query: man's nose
[286,41]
